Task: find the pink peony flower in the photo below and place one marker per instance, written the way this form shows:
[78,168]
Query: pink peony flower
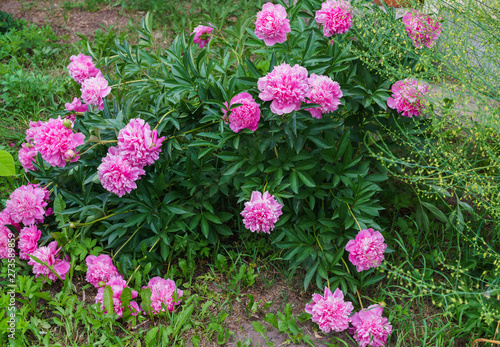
[406,97]
[5,235]
[82,68]
[336,17]
[330,311]
[245,116]
[162,293]
[94,90]
[56,143]
[366,250]
[422,29]
[27,156]
[116,173]
[138,143]
[26,204]
[33,129]
[99,269]
[325,92]
[117,284]
[369,327]
[271,24]
[28,241]
[77,106]
[286,86]
[47,255]
[261,212]
[201,35]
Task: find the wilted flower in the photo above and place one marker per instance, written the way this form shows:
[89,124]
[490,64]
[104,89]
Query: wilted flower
[261,212]
[406,97]
[336,17]
[82,68]
[28,241]
[94,90]
[162,293]
[27,204]
[116,173]
[369,327]
[422,29]
[56,143]
[245,116]
[202,35]
[138,144]
[47,255]
[325,92]
[366,250]
[285,86]
[100,269]
[117,285]
[271,24]
[330,311]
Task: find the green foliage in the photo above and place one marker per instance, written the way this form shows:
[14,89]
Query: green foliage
[7,22]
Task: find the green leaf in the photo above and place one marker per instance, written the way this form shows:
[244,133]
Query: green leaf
[294,183]
[7,167]
[436,212]
[107,299]
[308,181]
[309,275]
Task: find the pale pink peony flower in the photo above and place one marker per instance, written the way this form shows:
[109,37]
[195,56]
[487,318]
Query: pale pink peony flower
[56,143]
[28,241]
[138,144]
[162,293]
[33,129]
[245,116]
[27,156]
[94,90]
[82,68]
[422,29]
[406,97]
[271,24]
[261,212]
[202,35]
[369,327]
[286,86]
[77,106]
[26,204]
[366,250]
[325,92]
[100,269]
[47,255]
[117,284]
[330,311]
[336,17]
[116,173]
[5,234]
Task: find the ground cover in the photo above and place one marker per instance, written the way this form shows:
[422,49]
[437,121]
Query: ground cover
[432,180]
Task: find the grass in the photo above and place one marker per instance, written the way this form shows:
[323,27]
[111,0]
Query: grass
[441,283]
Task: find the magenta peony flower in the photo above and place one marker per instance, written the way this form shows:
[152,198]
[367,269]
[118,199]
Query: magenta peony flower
[422,29]
[26,204]
[271,24]
[261,212]
[116,173]
[138,144]
[330,311]
[77,106]
[94,90]
[117,284]
[369,327]
[5,234]
[325,92]
[406,97]
[47,255]
[201,35]
[27,156]
[286,86]
[99,269]
[336,17]
[28,241]
[366,250]
[82,68]
[162,293]
[245,116]
[56,143]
